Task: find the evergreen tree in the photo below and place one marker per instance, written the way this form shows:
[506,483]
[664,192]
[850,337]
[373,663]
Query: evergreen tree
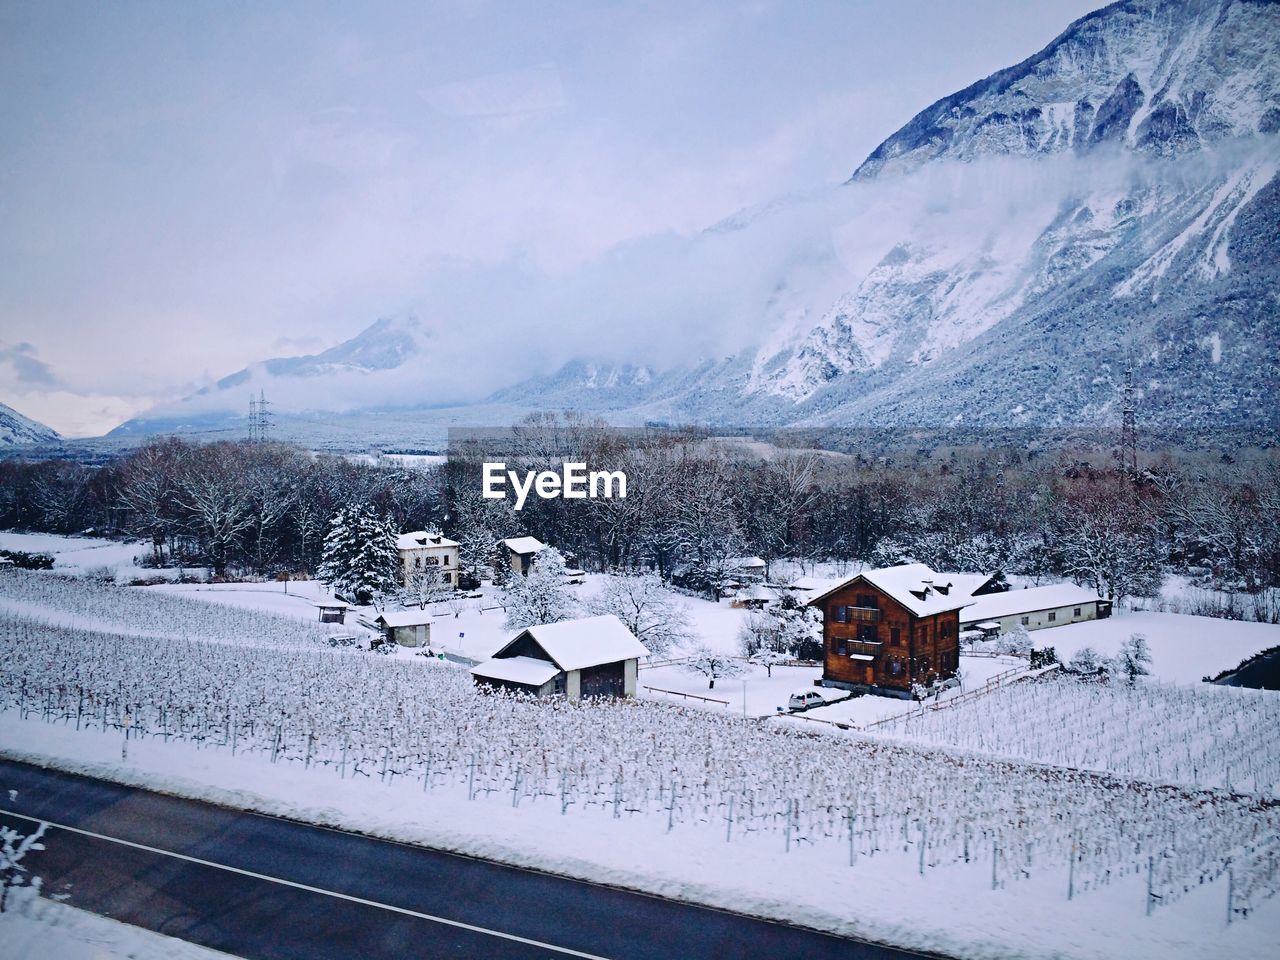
[360,557]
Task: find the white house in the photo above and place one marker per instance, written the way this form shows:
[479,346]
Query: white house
[591,657]
[427,554]
[1034,608]
[745,569]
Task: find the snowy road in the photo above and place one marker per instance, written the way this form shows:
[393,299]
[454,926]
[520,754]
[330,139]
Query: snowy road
[261,887]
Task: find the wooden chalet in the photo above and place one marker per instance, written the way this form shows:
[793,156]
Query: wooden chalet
[886,631]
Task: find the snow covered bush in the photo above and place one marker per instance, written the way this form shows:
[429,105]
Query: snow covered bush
[14,846]
[713,665]
[542,596]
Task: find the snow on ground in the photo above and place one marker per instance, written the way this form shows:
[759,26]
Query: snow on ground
[296,598]
[38,929]
[764,694]
[79,555]
[950,909]
[1183,649]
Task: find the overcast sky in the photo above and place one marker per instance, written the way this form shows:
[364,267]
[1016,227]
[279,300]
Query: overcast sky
[186,188]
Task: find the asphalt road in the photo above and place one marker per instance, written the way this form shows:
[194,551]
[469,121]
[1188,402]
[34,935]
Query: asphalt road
[262,887]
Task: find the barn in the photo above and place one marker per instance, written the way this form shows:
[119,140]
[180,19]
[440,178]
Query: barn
[1035,608]
[409,628]
[591,657]
[888,631]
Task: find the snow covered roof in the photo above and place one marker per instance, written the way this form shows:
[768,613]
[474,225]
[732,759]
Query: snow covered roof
[419,539]
[404,618]
[589,642]
[1011,603]
[523,670]
[332,604]
[964,583]
[524,544]
[912,585]
[745,563]
[767,594]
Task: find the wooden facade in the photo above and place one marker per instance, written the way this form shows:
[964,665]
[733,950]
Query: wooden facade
[873,642]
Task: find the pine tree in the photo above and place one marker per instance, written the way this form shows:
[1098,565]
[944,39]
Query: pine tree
[360,557]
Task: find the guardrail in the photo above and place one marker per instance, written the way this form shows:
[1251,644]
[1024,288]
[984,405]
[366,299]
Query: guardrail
[688,696]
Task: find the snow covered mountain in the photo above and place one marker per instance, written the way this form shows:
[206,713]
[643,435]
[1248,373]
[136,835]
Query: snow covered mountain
[1113,197]
[996,262]
[15,429]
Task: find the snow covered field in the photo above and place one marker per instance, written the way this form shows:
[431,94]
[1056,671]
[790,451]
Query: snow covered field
[1183,649]
[78,554]
[719,809]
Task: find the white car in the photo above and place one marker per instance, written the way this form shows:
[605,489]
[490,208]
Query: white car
[806,699]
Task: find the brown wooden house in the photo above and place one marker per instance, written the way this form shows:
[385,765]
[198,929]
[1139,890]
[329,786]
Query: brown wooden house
[886,631]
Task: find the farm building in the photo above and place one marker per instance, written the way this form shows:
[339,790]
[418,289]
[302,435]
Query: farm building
[745,569]
[1034,608]
[332,611]
[520,552]
[591,657]
[409,628]
[424,553]
[886,631]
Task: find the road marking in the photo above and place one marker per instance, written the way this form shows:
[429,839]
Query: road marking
[566,951]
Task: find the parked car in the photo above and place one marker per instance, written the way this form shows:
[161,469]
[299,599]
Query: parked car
[804,700]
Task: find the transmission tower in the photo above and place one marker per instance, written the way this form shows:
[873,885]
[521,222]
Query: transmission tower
[259,418]
[1129,427]
[264,417]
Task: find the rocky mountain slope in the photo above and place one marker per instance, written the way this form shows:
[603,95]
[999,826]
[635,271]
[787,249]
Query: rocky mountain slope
[15,429]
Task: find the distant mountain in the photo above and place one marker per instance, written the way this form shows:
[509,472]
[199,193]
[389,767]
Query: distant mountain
[15,429]
[999,261]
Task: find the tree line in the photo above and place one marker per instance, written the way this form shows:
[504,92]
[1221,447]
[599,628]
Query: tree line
[693,504]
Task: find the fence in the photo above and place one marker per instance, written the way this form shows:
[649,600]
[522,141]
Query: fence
[688,696]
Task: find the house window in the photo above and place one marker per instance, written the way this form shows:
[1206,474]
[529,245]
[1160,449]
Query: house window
[433,561]
[895,635]
[842,646]
[1076,612]
[868,600]
[842,614]
[1025,621]
[444,578]
[866,633]
[417,563]
[895,666]
[1053,615]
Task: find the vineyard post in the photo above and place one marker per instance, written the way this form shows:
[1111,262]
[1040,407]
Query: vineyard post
[995,860]
[471,778]
[515,790]
[791,805]
[852,852]
[728,830]
[426,776]
[1231,890]
[1071,871]
[924,839]
[671,808]
[617,793]
[342,767]
[124,744]
[1151,871]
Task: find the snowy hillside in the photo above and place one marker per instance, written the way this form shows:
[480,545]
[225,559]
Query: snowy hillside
[16,429]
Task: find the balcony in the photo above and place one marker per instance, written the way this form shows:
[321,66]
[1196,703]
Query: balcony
[857,615]
[858,648]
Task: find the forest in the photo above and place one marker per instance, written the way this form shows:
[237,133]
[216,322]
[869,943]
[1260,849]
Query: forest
[694,502]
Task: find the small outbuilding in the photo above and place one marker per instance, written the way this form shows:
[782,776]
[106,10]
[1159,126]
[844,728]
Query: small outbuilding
[591,657]
[409,628]
[1034,608]
[332,611]
[520,553]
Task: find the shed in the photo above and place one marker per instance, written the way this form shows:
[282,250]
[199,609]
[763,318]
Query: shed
[591,657]
[409,628]
[332,611]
